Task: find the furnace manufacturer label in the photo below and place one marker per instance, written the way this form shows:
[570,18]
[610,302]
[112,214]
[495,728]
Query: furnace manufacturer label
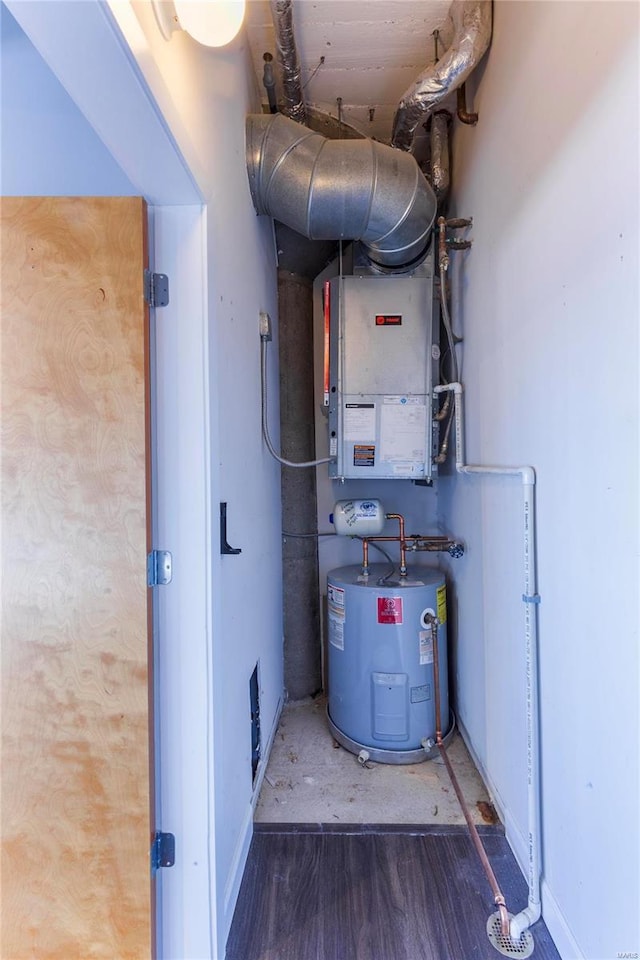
[389,609]
[364,455]
[403,430]
[359,421]
[388,319]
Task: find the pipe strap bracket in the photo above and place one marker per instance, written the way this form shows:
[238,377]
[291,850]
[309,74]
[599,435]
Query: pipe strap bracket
[535,598]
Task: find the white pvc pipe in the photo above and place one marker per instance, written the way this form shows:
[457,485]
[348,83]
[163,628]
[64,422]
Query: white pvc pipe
[523,920]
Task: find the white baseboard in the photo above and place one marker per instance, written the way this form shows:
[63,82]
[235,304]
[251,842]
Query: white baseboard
[551,912]
[236,870]
[557,927]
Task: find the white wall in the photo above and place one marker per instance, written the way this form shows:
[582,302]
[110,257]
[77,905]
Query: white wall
[204,96]
[48,148]
[550,320]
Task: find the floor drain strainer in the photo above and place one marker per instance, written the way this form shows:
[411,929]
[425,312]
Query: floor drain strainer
[505,945]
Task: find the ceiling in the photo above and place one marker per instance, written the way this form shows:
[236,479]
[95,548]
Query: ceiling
[373,50]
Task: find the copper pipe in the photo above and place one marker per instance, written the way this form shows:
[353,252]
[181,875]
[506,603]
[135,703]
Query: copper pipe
[415,541]
[463,115]
[403,550]
[498,896]
[388,539]
[444,410]
[365,557]
[436,538]
[415,538]
[403,544]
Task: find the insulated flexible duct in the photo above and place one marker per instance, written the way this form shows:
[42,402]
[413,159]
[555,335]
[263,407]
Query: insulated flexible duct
[440,168]
[340,189]
[472,35]
[292,99]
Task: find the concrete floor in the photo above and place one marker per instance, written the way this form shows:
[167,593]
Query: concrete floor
[309,779]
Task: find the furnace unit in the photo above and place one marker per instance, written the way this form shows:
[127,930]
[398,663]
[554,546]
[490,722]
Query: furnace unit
[383,354]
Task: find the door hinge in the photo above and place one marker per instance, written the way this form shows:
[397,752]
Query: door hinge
[156,289]
[163,851]
[159,568]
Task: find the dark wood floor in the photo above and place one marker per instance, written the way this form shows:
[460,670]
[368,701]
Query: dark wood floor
[311,892]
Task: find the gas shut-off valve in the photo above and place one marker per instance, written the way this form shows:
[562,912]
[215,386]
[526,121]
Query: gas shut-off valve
[365,519]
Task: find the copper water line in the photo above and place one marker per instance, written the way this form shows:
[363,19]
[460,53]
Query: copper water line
[399,539]
[498,896]
[417,541]
[464,115]
[403,545]
[365,550]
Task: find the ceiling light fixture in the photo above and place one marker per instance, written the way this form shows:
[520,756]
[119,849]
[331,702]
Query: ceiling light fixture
[213,23]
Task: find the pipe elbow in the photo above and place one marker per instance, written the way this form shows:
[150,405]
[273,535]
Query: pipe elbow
[528,475]
[472,21]
[455,388]
[340,189]
[523,920]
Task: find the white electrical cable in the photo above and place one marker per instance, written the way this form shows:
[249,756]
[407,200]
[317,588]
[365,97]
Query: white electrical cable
[265,426]
[523,920]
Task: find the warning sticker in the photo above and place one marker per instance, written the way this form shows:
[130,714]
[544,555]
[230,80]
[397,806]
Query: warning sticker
[335,600]
[441,595]
[426,647]
[364,455]
[336,631]
[389,609]
[336,609]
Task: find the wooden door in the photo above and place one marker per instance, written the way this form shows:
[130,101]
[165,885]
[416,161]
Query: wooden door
[76,797]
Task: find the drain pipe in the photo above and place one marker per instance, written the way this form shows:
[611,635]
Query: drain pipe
[498,896]
[269,82]
[527,917]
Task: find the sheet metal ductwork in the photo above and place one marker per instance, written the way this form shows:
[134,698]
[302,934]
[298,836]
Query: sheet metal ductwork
[340,189]
[472,34]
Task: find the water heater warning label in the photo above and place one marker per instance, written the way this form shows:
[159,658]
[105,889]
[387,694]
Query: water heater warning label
[441,595]
[426,647]
[389,609]
[336,609]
